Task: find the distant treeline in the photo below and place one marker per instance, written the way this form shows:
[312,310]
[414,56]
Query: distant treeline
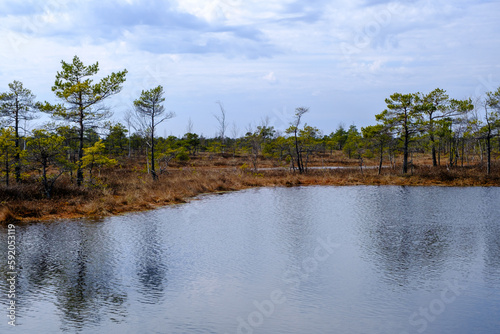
[81,139]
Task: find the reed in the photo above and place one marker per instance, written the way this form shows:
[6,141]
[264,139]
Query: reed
[128,187]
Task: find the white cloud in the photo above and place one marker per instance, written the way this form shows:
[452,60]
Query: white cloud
[207,50]
[270,77]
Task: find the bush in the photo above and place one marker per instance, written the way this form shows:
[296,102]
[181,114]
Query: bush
[182,156]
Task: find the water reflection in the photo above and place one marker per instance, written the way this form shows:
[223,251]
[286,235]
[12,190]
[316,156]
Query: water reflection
[150,261]
[69,262]
[404,234]
[492,254]
[207,266]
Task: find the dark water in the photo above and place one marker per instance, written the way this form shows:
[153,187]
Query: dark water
[285,260]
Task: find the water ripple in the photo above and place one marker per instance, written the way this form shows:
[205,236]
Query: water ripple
[276,260]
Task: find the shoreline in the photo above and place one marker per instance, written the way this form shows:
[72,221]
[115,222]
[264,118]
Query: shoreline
[138,193]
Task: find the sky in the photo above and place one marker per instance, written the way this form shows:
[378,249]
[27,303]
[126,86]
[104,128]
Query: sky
[260,58]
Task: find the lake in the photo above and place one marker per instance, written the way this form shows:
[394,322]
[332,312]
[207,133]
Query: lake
[363,259]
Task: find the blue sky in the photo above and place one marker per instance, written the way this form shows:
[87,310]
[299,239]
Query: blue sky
[260,58]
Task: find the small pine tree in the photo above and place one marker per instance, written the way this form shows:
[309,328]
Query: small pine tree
[7,152]
[46,150]
[94,157]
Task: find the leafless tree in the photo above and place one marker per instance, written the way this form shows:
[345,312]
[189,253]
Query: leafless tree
[128,118]
[294,128]
[189,127]
[221,119]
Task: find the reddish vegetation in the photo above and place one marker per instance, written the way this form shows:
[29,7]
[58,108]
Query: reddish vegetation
[127,187]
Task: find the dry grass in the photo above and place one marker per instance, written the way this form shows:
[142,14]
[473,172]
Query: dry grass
[128,188]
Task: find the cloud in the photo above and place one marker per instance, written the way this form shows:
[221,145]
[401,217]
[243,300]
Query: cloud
[150,25]
[306,12]
[271,78]
[103,22]
[226,49]
[20,8]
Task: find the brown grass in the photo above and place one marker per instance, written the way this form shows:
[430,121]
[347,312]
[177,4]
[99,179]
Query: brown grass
[127,187]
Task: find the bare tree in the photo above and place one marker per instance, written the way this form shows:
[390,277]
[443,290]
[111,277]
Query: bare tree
[128,118]
[235,132]
[294,128]
[189,127]
[222,124]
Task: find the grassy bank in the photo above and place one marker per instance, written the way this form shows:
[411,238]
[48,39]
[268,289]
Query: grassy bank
[126,187]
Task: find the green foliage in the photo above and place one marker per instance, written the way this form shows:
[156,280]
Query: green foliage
[138,142]
[116,141]
[149,104]
[294,129]
[492,122]
[45,147]
[437,106]
[259,141]
[151,112]
[411,123]
[214,147]
[353,144]
[404,116]
[75,88]
[94,157]
[182,155]
[191,142]
[47,150]
[492,116]
[81,98]
[376,139]
[17,106]
[90,137]
[70,135]
[338,138]
[8,152]
[265,132]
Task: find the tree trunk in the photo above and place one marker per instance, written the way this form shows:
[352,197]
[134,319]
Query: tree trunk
[45,181]
[452,152]
[433,143]
[488,152]
[79,172]
[405,152]
[307,160]
[439,154]
[381,158]
[7,166]
[297,150]
[153,171]
[17,157]
[434,159]
[90,172]
[463,151]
